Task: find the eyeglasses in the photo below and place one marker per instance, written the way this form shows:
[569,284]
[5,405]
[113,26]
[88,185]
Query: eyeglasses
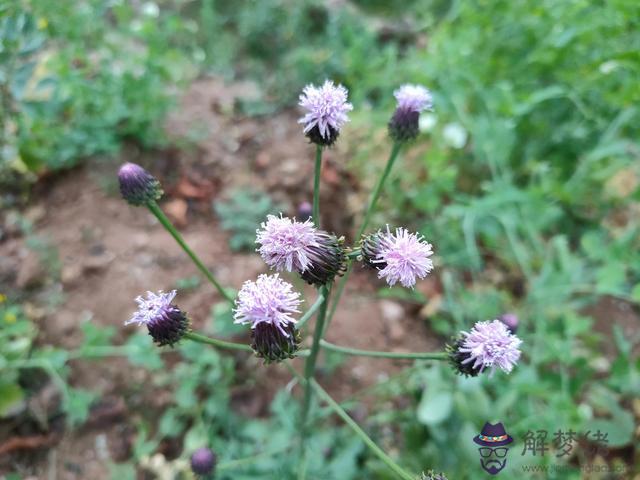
[487,451]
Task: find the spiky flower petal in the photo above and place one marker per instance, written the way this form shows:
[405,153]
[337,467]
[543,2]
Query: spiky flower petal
[268,304]
[165,322]
[412,99]
[137,186]
[287,244]
[487,345]
[399,257]
[327,109]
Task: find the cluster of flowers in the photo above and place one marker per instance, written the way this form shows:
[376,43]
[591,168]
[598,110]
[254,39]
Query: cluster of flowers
[270,304]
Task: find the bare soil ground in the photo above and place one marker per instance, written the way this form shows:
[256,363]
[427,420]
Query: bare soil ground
[111,252]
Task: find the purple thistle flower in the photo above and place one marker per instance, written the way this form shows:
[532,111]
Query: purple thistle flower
[412,99]
[287,244]
[268,305]
[137,186]
[203,461]
[487,345]
[166,322]
[401,257]
[327,109]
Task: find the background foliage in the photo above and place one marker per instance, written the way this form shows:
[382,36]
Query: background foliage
[529,187]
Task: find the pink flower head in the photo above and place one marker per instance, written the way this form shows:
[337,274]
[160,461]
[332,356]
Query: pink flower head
[152,307]
[268,300]
[165,322]
[414,98]
[286,244]
[402,257]
[489,345]
[327,109]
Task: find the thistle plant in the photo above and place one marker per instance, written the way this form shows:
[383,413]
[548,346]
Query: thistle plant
[270,306]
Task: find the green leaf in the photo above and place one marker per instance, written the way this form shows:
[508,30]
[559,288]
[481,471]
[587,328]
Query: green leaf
[77,404]
[435,406]
[11,398]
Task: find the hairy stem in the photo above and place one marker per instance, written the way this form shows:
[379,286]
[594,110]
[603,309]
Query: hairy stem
[365,223]
[374,353]
[166,223]
[397,469]
[316,187]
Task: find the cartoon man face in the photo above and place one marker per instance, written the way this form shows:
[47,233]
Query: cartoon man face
[493,451]
[493,459]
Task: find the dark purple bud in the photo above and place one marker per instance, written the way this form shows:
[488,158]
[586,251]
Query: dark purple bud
[137,186]
[274,344]
[510,320]
[203,462]
[305,212]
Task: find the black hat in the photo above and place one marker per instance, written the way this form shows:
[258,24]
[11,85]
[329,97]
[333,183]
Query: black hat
[493,436]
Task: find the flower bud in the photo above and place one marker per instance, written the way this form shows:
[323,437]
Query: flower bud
[510,320]
[203,462]
[412,99]
[305,212]
[137,186]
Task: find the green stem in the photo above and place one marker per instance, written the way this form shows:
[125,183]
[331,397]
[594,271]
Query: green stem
[361,433]
[309,313]
[232,464]
[316,187]
[367,218]
[309,370]
[166,223]
[374,353]
[378,188]
[197,337]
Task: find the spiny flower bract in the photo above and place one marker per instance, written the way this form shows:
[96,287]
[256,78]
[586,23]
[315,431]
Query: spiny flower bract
[399,257]
[137,186]
[166,323]
[327,109]
[487,345]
